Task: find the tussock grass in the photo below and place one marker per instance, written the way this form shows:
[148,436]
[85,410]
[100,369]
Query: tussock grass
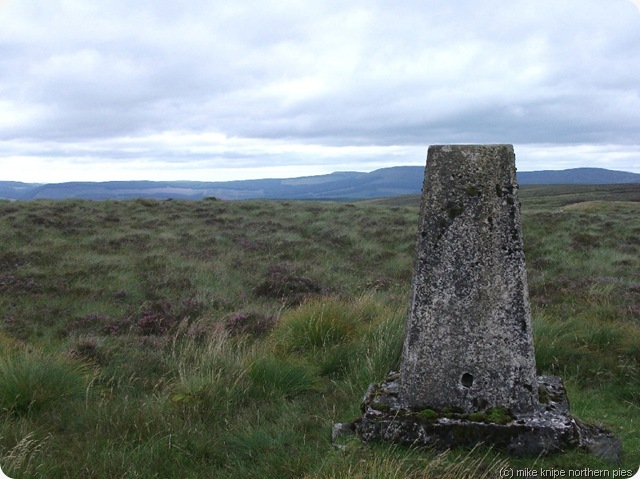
[321,324]
[390,462]
[223,339]
[379,351]
[338,337]
[273,375]
[32,381]
[587,349]
[209,372]
[23,457]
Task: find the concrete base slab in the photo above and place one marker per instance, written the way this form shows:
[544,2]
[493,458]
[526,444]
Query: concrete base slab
[548,429]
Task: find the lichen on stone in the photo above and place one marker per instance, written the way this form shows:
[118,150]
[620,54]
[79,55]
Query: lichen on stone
[472,191]
[454,209]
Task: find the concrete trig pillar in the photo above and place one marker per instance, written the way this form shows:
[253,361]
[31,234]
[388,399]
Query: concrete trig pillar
[468,343]
[468,373]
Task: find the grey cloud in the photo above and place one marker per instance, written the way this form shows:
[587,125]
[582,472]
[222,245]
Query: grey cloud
[362,73]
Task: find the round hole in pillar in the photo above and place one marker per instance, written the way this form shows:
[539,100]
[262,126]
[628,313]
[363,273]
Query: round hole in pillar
[466,380]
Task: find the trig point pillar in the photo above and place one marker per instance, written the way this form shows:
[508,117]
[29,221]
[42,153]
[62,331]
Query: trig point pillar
[468,343]
[468,372]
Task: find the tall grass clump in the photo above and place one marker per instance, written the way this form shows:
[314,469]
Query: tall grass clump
[32,381]
[392,462]
[7,344]
[378,352]
[21,460]
[326,330]
[209,369]
[282,377]
[317,324]
[325,322]
[584,348]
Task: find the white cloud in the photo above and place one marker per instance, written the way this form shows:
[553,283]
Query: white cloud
[554,157]
[236,86]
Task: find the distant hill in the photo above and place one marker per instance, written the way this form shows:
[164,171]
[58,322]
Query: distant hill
[577,176]
[386,182]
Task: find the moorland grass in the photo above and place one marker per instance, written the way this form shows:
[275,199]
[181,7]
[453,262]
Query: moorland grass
[223,339]
[31,381]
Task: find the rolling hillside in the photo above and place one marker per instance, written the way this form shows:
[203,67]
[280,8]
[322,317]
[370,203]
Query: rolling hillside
[383,183]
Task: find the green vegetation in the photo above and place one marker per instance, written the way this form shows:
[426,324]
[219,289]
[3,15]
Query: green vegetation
[32,381]
[494,415]
[223,339]
[428,415]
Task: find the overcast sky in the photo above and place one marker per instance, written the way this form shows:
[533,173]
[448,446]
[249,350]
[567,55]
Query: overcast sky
[235,89]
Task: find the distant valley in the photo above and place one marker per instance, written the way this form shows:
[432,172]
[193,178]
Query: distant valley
[382,183]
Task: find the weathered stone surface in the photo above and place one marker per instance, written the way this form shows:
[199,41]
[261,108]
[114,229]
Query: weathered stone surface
[548,429]
[468,342]
[468,373]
